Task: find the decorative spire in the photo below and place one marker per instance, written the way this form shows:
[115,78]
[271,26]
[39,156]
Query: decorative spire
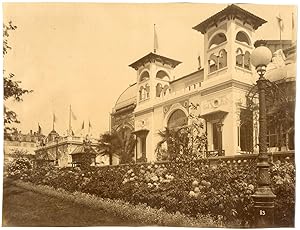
[54,120]
[155,41]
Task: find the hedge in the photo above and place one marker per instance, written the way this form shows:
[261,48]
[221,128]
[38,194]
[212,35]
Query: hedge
[222,191]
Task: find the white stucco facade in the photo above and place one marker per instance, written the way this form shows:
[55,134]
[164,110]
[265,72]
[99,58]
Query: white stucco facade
[219,87]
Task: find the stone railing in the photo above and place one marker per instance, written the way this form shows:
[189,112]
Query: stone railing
[239,159]
[234,159]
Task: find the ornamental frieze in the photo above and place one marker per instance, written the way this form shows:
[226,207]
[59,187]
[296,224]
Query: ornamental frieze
[214,103]
[142,124]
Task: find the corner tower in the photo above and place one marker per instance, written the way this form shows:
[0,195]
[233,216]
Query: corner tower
[228,43]
[228,75]
[154,74]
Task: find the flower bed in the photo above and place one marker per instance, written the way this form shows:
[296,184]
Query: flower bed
[222,191]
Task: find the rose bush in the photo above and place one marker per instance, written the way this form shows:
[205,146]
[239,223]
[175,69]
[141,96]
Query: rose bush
[222,190]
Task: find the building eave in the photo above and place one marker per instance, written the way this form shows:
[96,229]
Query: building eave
[151,57]
[231,11]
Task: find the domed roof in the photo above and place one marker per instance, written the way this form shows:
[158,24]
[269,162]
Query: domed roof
[53,133]
[127,98]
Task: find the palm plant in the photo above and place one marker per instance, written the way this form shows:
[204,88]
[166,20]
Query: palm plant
[168,137]
[119,143]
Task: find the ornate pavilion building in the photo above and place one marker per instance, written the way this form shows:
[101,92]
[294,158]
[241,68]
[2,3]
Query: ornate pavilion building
[220,87]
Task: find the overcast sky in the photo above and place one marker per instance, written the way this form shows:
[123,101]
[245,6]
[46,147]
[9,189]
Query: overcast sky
[79,54]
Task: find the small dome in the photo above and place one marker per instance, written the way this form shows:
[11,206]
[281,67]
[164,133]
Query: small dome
[127,98]
[52,135]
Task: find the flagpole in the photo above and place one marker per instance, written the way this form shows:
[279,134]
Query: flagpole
[109,123]
[280,35]
[293,30]
[280,24]
[70,125]
[53,121]
[154,49]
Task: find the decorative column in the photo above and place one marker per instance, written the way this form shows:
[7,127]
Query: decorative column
[220,146]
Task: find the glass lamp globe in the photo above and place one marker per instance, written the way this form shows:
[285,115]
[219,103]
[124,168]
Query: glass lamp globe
[261,56]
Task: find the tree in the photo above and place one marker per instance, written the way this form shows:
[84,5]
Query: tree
[280,103]
[120,143]
[108,145]
[183,143]
[12,88]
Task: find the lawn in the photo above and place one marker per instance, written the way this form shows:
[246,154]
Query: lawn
[25,208]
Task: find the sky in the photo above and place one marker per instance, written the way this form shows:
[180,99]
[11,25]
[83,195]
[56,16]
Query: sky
[78,54]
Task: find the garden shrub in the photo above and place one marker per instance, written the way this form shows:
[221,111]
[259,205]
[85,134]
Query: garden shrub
[222,191]
[19,168]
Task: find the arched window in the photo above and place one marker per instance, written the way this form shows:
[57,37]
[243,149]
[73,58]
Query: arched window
[158,89]
[247,60]
[177,119]
[213,63]
[217,40]
[144,76]
[243,37]
[166,90]
[222,58]
[239,57]
[162,75]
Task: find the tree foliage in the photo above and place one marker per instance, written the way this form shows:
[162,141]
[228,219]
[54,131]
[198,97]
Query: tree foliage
[12,88]
[6,29]
[119,143]
[183,143]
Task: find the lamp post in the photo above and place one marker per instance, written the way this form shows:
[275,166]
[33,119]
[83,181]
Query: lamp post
[263,196]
